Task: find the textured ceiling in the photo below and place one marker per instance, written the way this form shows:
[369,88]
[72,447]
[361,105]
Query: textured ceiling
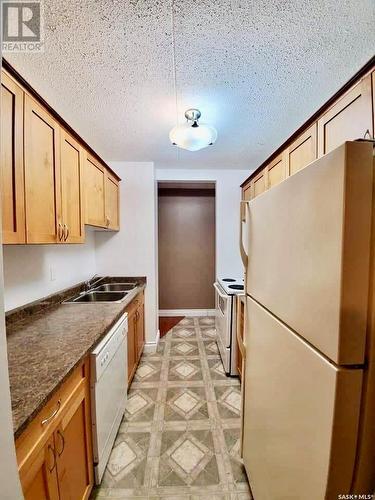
[256,69]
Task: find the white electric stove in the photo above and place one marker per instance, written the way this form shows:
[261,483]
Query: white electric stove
[226,290]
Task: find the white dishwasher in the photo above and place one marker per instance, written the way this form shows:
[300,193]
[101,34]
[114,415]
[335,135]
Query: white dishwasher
[109,375]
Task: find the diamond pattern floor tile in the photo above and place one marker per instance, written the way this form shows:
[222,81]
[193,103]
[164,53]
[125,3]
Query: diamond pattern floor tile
[180,436]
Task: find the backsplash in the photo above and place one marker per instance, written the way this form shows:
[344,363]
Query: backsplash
[33,272]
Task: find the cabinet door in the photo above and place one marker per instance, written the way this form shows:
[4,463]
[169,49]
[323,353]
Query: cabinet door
[140,330]
[112,202]
[95,176]
[73,449]
[247,193]
[259,183]
[303,150]
[42,174]
[132,345]
[71,190]
[348,119]
[12,179]
[276,171]
[39,478]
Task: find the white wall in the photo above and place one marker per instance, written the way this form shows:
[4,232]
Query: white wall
[228,195]
[28,269]
[132,251]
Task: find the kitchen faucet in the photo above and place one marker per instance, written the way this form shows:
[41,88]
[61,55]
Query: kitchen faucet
[89,284]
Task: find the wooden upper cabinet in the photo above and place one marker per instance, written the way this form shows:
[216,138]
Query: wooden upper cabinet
[42,174]
[72,161]
[348,119]
[12,178]
[112,202]
[276,171]
[247,195]
[302,151]
[260,183]
[248,191]
[95,182]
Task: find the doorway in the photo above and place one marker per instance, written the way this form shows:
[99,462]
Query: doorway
[186,247]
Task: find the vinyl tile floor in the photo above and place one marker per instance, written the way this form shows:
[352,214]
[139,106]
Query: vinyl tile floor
[180,435]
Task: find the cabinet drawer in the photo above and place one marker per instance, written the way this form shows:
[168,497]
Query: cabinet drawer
[42,426]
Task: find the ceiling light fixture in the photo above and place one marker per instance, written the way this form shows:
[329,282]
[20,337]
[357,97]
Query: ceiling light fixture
[192,135]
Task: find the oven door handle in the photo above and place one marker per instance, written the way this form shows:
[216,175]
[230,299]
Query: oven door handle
[222,295]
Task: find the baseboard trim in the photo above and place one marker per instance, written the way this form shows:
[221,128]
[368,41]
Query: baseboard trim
[151,347]
[186,312]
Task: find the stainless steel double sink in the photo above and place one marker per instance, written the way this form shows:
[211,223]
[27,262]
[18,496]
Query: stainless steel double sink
[106,292]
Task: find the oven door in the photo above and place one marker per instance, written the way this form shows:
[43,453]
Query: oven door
[223,305]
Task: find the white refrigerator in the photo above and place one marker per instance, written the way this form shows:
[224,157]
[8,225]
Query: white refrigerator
[309,401]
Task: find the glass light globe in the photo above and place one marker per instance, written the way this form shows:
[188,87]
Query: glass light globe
[193,136]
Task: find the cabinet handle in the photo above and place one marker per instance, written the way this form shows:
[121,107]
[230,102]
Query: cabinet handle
[60,232]
[66,232]
[48,419]
[50,448]
[108,221]
[61,436]
[367,135]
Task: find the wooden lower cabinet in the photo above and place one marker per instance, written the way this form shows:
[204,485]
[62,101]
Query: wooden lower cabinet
[55,452]
[132,329]
[136,334]
[39,480]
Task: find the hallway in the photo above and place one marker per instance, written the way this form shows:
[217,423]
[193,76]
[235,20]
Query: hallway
[179,438]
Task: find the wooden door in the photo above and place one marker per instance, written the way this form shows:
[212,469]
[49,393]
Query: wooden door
[303,150]
[42,174]
[132,345]
[140,329]
[95,175]
[72,161]
[276,171]
[39,477]
[348,119]
[112,202]
[73,449]
[12,176]
[260,183]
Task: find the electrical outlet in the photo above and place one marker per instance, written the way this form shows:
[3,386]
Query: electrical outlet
[52,273]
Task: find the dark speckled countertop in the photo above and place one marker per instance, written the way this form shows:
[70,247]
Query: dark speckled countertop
[47,340]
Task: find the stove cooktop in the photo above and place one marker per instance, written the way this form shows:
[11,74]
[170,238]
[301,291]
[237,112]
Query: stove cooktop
[232,286]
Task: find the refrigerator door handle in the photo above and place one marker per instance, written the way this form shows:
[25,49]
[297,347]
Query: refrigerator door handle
[243,253]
